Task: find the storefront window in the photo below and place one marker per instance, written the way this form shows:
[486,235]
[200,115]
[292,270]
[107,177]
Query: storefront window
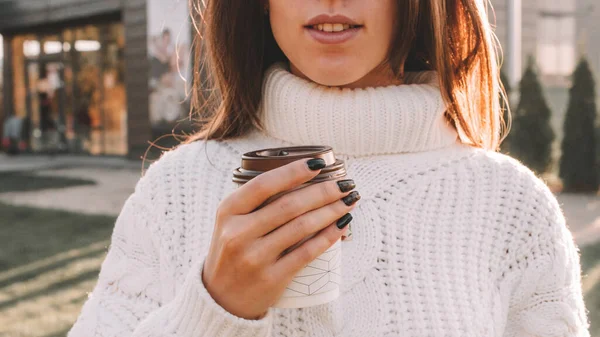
[87,117]
[52,45]
[557,52]
[70,86]
[113,85]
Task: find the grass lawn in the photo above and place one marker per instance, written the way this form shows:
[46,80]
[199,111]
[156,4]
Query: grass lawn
[590,265]
[49,261]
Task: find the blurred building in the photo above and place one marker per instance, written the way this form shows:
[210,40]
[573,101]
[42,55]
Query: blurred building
[556,33]
[588,33]
[90,75]
[529,13]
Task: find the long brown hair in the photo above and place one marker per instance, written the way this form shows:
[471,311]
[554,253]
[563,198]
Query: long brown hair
[235,46]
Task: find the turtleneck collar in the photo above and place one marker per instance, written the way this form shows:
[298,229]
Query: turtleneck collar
[371,121]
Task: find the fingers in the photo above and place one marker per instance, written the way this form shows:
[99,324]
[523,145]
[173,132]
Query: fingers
[307,224]
[256,191]
[301,201]
[293,262]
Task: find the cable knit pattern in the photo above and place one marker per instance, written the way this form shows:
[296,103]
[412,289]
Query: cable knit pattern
[449,240]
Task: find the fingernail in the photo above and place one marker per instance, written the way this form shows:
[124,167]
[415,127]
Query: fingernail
[351,198]
[344,221]
[316,164]
[346,185]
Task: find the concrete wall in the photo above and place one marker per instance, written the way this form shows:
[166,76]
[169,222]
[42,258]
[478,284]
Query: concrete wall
[588,33]
[529,29]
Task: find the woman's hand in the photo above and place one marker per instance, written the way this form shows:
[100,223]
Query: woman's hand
[245,271]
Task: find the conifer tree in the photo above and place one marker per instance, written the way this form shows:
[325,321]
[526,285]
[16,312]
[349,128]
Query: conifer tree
[579,169]
[531,135]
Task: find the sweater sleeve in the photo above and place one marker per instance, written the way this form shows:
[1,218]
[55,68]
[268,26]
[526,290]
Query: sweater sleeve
[547,300]
[126,300]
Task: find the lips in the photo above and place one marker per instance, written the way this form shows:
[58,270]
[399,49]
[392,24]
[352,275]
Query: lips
[335,29]
[324,18]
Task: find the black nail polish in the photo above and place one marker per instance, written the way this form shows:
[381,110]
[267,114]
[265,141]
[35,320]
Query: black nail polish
[344,221]
[351,198]
[346,185]
[316,164]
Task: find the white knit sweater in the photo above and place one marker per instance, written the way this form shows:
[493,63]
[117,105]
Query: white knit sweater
[449,240]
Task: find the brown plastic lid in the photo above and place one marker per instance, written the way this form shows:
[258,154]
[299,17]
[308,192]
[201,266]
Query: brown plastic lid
[260,161]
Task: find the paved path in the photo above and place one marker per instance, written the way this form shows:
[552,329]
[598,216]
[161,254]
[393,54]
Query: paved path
[114,185]
[112,188]
[115,180]
[583,216]
[44,162]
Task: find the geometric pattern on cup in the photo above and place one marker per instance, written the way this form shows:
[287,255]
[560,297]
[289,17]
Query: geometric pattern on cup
[321,275]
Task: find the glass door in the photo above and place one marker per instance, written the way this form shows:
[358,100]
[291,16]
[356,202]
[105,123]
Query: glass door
[45,102]
[97,120]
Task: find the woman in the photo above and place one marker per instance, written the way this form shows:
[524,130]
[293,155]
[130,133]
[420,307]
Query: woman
[450,237]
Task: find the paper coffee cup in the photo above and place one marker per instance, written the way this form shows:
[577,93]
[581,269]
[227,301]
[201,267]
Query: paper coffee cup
[318,282]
